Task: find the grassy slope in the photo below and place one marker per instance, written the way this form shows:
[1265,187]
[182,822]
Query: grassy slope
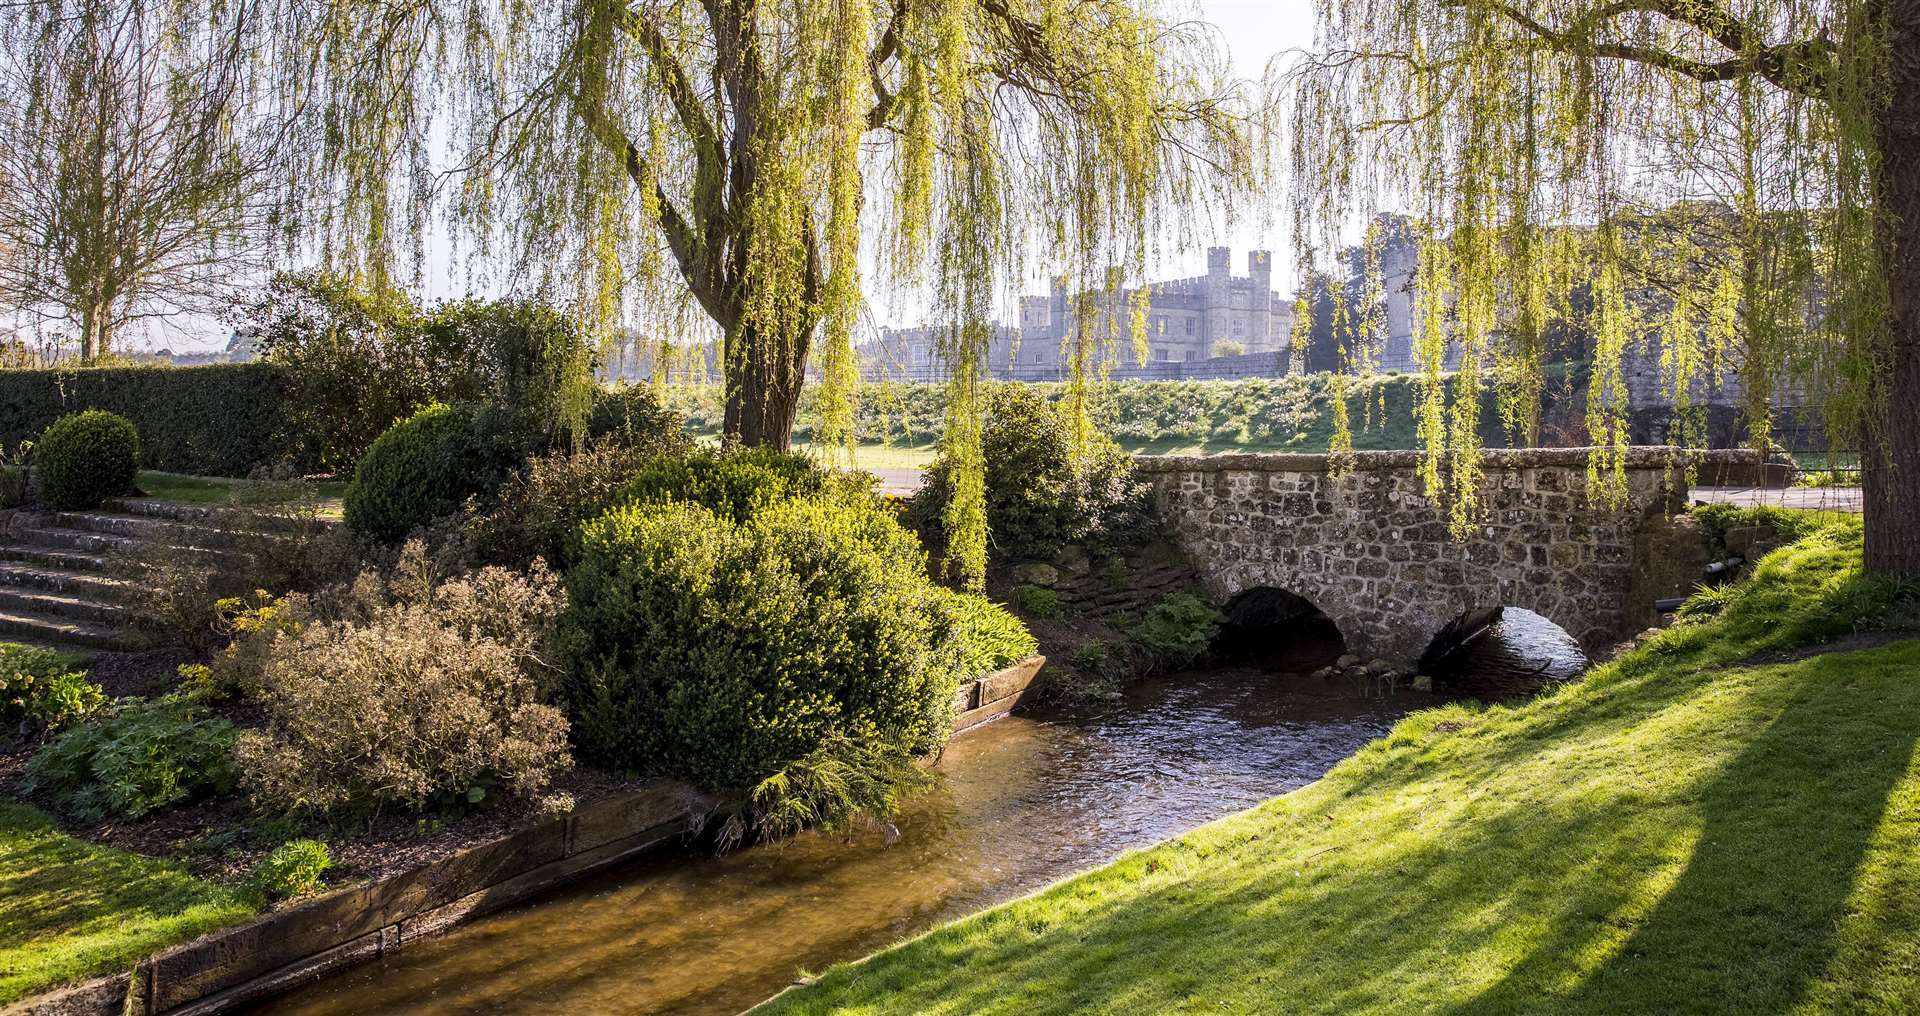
[70,910]
[1684,831]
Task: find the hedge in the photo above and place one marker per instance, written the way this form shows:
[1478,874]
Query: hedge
[216,420]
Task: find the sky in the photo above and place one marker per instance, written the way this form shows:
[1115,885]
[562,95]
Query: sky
[1253,32]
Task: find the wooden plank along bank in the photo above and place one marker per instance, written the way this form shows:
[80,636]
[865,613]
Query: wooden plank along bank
[286,949]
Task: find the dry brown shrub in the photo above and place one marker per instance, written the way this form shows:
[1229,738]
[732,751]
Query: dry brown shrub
[416,691]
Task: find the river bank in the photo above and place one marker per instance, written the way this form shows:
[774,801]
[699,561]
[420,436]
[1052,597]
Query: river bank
[1725,817]
[1023,801]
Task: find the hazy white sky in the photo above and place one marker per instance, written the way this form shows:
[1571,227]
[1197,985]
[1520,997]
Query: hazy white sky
[1254,31]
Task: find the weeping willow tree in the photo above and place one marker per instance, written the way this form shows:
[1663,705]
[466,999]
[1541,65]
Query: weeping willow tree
[1528,136]
[707,166]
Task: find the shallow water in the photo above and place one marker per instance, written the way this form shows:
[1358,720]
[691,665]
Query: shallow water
[1024,802]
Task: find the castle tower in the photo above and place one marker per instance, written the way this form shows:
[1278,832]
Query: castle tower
[1260,336]
[1218,298]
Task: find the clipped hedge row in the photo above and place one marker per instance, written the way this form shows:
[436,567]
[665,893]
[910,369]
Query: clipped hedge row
[226,419]
[215,420]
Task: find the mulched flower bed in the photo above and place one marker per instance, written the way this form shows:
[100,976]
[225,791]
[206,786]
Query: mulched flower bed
[222,838]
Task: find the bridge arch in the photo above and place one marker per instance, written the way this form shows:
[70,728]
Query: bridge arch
[1276,629]
[1502,652]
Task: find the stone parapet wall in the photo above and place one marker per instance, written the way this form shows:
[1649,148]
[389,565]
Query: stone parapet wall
[1358,537]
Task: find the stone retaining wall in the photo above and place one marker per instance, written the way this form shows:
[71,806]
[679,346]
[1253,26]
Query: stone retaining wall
[280,951]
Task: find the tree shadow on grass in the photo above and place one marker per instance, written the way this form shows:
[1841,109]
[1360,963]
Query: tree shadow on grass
[1752,920]
[1653,870]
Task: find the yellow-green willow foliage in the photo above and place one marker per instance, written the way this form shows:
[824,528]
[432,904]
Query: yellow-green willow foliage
[1531,140]
[746,157]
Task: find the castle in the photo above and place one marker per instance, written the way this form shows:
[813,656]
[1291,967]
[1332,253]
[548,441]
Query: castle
[1191,324]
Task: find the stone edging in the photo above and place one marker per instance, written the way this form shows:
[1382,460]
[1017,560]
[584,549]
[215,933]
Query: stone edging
[1638,457]
[279,951]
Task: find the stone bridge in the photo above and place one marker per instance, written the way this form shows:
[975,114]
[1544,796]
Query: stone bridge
[1374,554]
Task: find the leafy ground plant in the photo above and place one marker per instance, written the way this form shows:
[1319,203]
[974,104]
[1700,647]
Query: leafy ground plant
[1178,629]
[40,688]
[143,756]
[1717,820]
[292,869]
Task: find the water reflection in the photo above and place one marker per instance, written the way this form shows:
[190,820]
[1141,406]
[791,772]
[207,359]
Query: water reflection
[1025,801]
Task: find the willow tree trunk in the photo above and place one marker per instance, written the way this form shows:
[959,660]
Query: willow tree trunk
[1890,459]
[764,373]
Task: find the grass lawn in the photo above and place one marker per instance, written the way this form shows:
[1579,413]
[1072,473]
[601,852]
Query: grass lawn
[180,487]
[71,910]
[1707,824]
[211,489]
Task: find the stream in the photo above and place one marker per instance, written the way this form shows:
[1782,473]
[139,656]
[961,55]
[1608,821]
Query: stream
[1025,801]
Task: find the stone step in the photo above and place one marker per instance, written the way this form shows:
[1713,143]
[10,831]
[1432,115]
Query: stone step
[28,626]
[211,516]
[43,601]
[92,585]
[51,557]
[141,527]
[69,539]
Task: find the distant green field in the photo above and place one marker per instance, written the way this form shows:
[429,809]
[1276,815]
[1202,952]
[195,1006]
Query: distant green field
[900,423]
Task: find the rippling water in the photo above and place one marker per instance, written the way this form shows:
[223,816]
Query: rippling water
[1025,801]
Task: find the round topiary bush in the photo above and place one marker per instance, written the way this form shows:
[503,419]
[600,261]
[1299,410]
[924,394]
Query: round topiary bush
[721,650]
[427,465]
[733,483]
[85,458]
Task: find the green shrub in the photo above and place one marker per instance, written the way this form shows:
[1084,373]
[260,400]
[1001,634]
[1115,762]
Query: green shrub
[216,420]
[292,869]
[39,688]
[1790,523]
[86,458]
[634,415]
[1040,495]
[1178,629]
[1095,673]
[413,692]
[734,484]
[426,466]
[989,638]
[722,651]
[1036,601]
[13,475]
[145,755]
[251,626]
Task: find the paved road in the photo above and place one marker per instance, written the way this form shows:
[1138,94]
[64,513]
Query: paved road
[901,480]
[1833,499]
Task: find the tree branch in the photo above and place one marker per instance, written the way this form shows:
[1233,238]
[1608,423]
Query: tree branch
[886,49]
[1800,67]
